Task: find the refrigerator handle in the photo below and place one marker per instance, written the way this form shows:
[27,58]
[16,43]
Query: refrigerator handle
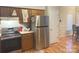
[37,20]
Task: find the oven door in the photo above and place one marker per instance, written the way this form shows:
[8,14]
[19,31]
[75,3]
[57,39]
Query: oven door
[11,44]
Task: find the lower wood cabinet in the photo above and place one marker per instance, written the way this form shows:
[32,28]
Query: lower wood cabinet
[27,41]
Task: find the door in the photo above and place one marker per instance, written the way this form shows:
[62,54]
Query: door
[10,44]
[69,25]
[42,37]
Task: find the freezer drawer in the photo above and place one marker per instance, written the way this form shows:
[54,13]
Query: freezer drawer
[42,38]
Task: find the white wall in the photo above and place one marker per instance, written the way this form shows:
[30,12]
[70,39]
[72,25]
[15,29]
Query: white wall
[77,16]
[65,12]
[53,13]
[58,29]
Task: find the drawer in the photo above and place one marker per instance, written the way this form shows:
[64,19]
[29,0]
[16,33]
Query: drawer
[24,35]
[26,38]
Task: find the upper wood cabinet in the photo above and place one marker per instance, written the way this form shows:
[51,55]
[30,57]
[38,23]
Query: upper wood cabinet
[19,14]
[37,12]
[8,12]
[5,12]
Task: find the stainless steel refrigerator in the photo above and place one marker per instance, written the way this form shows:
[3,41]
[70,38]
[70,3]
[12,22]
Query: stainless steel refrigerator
[41,31]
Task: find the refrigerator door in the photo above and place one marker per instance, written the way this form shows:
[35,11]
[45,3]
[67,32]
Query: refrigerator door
[42,38]
[42,20]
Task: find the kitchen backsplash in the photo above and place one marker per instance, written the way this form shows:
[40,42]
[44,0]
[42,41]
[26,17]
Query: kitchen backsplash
[9,22]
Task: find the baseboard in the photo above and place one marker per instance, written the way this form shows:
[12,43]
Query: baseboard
[56,40]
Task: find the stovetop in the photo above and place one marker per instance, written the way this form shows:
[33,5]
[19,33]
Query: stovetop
[10,35]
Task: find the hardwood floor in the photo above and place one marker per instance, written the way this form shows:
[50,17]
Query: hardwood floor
[65,45]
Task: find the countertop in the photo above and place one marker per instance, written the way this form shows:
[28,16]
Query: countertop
[25,32]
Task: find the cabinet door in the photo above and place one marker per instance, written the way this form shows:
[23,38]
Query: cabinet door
[19,14]
[37,12]
[29,12]
[13,12]
[4,12]
[27,42]
[41,12]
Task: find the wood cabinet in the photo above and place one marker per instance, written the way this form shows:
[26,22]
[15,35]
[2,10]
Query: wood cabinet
[37,12]
[27,41]
[7,12]
[19,14]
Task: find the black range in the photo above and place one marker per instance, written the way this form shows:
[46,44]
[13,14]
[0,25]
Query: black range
[10,42]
